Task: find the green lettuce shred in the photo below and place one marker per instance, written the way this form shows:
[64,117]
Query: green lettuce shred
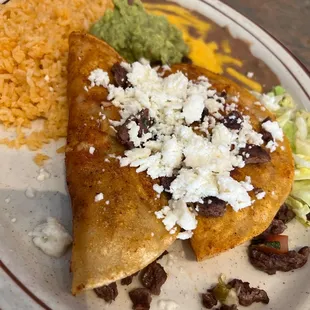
[295,124]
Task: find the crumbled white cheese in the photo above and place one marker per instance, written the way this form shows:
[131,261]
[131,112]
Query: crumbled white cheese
[193,108]
[99,197]
[248,135]
[167,305]
[250,75]
[13,220]
[247,184]
[233,192]
[98,77]
[274,129]
[161,213]
[201,164]
[46,78]
[103,116]
[260,195]
[91,150]
[43,175]
[173,230]
[51,237]
[221,135]
[177,213]
[213,105]
[235,98]
[126,66]
[158,188]
[171,154]
[134,134]
[166,68]
[185,235]
[30,192]
[7,199]
[191,185]
[272,146]
[107,202]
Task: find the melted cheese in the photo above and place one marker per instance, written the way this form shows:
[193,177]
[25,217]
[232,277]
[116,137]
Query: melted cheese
[203,54]
[248,82]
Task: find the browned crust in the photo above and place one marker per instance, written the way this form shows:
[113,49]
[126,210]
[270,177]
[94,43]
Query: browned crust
[215,235]
[115,241]
[110,241]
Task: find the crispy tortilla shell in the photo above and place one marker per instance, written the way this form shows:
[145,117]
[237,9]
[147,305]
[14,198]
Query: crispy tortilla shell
[215,235]
[114,240]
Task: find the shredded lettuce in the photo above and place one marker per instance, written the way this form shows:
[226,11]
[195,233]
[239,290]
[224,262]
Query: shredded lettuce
[302,174]
[296,126]
[278,90]
[300,209]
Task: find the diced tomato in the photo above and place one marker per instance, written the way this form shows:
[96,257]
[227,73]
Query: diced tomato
[281,239]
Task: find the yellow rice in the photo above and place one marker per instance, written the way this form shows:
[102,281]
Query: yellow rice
[33,59]
[39,159]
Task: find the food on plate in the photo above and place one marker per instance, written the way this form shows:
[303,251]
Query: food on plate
[277,226]
[191,136]
[141,298]
[225,307]
[51,237]
[115,230]
[33,60]
[271,261]
[33,75]
[107,292]
[269,251]
[214,48]
[231,293]
[39,159]
[135,34]
[155,153]
[296,126]
[248,222]
[153,277]
[128,280]
[209,300]
[246,294]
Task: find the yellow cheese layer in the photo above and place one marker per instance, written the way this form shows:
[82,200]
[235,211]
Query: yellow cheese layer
[195,32]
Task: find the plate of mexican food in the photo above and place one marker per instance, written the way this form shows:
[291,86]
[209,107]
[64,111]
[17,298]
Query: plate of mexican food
[155,154]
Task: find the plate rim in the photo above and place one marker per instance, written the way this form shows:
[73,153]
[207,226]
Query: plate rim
[217,4]
[221,7]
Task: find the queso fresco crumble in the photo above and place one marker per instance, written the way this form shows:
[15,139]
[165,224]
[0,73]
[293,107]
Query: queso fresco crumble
[188,136]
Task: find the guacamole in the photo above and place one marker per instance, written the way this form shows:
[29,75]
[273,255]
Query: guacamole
[135,34]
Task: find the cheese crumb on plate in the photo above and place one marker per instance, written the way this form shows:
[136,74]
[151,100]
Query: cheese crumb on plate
[51,237]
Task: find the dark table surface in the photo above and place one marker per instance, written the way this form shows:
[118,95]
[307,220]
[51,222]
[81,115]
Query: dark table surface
[287,20]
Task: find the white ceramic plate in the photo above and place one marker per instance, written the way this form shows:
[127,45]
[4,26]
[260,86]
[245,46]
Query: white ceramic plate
[31,280]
